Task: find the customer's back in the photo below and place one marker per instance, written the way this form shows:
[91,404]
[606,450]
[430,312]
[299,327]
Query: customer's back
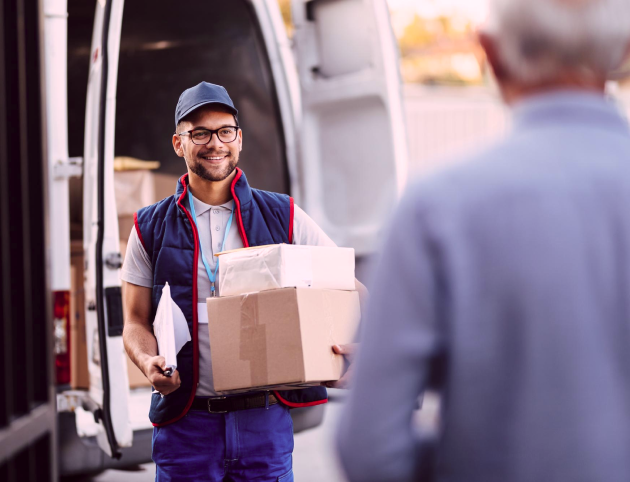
[534,238]
[505,281]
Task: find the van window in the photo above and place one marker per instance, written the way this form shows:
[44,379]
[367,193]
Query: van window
[167,47]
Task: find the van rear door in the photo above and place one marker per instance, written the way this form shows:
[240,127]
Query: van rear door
[352,138]
[109,385]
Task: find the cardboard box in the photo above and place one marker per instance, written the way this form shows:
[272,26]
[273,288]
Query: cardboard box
[276,266]
[137,189]
[280,338]
[125,225]
[136,377]
[79,375]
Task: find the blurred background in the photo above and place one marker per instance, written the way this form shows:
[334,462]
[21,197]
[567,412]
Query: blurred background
[451,102]
[451,106]
[448,103]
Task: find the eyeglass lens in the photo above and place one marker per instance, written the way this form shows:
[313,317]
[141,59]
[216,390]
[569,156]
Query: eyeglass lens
[202,136]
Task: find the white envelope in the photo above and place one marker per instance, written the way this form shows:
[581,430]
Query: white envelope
[170,328]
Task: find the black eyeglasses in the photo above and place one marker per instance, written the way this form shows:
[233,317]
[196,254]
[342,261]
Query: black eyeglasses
[200,136]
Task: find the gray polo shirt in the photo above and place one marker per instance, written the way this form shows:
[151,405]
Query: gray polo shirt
[212,222]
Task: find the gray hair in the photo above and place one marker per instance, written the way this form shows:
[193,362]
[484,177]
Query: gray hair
[537,40]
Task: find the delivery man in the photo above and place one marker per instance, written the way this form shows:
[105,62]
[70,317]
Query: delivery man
[199,435]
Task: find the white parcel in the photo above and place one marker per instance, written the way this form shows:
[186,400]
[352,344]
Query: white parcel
[276,266]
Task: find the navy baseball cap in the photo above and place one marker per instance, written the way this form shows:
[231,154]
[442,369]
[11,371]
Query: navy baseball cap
[202,94]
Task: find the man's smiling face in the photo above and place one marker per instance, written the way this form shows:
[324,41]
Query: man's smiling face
[213,161]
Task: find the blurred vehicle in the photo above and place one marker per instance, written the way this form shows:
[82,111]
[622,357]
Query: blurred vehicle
[322,120]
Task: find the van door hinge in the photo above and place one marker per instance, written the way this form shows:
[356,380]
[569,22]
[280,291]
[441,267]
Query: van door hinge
[113,260]
[67,168]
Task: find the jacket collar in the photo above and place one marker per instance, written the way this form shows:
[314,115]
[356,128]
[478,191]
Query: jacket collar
[568,107]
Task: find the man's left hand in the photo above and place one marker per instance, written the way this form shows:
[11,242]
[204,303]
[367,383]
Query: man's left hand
[348,351]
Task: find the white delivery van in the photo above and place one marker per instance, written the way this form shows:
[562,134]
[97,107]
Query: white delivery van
[322,118]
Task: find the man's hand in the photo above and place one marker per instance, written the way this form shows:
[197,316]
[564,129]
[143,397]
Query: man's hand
[348,351]
[153,368]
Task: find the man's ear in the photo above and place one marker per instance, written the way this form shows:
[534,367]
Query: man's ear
[240,140]
[488,43]
[177,145]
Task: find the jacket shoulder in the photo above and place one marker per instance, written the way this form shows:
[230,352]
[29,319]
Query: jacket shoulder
[157,210]
[271,198]
[150,220]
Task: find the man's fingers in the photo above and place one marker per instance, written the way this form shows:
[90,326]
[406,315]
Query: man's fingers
[166,385]
[343,382]
[159,361]
[346,350]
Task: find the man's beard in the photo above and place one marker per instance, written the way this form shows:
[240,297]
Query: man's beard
[214,175]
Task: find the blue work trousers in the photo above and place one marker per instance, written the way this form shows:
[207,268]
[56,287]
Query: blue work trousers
[248,445]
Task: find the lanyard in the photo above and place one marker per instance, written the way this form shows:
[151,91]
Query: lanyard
[212,276]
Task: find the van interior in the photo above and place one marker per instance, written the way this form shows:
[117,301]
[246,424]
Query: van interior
[166,48]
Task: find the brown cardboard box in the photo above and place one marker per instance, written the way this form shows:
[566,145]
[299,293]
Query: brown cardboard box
[79,375]
[164,185]
[136,377]
[137,189]
[280,337]
[125,224]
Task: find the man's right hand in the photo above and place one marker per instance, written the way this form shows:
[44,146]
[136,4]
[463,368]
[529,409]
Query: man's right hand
[153,368]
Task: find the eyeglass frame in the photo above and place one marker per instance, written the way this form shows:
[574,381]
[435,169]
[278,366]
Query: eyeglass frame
[212,133]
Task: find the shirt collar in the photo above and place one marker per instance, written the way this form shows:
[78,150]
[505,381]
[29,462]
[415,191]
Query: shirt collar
[201,207]
[569,106]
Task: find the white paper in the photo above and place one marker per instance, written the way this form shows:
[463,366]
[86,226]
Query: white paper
[202,314]
[283,266]
[170,328]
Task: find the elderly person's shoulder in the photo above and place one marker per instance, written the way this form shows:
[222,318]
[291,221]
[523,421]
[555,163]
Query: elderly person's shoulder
[476,175]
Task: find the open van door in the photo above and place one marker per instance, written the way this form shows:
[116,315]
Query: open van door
[109,385]
[352,136]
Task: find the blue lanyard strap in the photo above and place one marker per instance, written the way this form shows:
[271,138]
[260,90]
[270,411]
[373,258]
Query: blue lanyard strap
[211,276]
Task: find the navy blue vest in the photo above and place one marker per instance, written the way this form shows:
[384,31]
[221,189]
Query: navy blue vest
[170,239]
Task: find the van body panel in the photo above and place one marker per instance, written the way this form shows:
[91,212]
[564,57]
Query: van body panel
[55,35]
[287,86]
[116,409]
[352,141]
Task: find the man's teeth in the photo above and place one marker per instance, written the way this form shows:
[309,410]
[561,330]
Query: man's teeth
[214,158]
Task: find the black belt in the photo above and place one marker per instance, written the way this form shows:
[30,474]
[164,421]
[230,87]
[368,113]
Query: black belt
[233,404]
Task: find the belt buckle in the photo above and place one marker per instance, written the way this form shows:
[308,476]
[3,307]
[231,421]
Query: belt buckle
[210,400]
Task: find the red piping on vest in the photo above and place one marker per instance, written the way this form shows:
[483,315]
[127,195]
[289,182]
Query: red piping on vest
[194,310]
[299,405]
[291,221]
[239,216]
[135,222]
